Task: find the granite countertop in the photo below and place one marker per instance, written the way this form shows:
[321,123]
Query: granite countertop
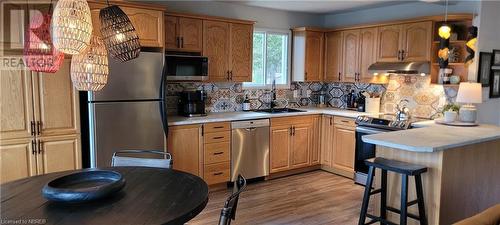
[235,116]
[431,137]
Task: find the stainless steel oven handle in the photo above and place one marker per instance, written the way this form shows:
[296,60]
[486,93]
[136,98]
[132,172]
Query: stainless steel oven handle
[370,130]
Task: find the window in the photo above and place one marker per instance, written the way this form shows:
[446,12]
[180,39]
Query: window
[271,58]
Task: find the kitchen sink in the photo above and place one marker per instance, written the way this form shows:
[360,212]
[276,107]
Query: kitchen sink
[279,110]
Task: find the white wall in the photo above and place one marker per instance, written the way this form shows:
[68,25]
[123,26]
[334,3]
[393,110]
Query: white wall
[266,18]
[395,12]
[488,39]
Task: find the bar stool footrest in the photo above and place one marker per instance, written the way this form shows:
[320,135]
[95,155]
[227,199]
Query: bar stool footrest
[378,219]
[375,191]
[410,203]
[394,210]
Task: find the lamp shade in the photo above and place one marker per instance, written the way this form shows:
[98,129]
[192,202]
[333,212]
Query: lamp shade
[119,34]
[469,93]
[89,70]
[71,26]
[39,53]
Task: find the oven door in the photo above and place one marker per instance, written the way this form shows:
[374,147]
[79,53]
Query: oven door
[363,151]
[186,68]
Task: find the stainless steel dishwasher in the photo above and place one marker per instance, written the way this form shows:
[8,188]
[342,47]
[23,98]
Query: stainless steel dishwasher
[250,148]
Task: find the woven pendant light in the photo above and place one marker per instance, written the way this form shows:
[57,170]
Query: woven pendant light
[89,70]
[119,34]
[71,26]
[39,53]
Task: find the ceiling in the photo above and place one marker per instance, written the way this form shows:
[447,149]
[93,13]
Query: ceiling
[315,6]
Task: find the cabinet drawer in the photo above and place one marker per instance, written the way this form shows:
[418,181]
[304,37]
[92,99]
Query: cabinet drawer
[217,152]
[217,173]
[216,137]
[216,127]
[344,121]
[289,120]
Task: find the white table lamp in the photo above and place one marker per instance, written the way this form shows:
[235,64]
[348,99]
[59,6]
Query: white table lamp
[469,93]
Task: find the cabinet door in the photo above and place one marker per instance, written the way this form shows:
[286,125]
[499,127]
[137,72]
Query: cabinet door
[314,56]
[350,49]
[16,104]
[17,159]
[191,34]
[315,141]
[13,13]
[326,140]
[344,147]
[280,148]
[185,144]
[171,32]
[417,44]
[367,52]
[301,145]
[216,48]
[389,43]
[57,102]
[241,52]
[58,153]
[148,24]
[333,56]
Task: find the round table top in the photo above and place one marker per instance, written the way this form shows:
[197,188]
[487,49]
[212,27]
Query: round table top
[150,196]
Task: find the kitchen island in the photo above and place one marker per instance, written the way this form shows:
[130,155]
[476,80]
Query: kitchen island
[463,169]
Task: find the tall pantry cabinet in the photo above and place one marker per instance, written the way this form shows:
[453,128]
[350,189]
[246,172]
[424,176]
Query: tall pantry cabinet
[40,123]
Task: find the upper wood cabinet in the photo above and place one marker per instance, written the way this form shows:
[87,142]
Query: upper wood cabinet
[405,42]
[185,144]
[148,22]
[350,48]
[308,57]
[358,53]
[367,52]
[183,34]
[333,56]
[228,47]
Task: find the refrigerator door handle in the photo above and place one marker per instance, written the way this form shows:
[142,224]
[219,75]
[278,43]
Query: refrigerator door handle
[163,103]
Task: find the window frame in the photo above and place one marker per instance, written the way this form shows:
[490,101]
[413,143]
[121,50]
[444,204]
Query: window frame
[266,31]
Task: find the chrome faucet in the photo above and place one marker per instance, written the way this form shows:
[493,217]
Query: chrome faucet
[403,112]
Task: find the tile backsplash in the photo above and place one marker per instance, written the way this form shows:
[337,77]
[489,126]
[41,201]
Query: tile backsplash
[425,99]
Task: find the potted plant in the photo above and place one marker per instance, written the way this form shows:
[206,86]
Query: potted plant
[450,112]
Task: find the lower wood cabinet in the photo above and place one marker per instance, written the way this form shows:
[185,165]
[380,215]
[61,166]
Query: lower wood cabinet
[217,152]
[185,144]
[315,153]
[58,153]
[338,144]
[17,159]
[326,140]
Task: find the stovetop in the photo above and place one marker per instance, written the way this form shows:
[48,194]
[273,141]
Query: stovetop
[386,121]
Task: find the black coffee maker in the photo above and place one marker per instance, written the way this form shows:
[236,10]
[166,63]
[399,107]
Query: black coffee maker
[192,103]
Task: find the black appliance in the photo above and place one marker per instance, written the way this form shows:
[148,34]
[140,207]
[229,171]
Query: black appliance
[192,103]
[186,67]
[372,125]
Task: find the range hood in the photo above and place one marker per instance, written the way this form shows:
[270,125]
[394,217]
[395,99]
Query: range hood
[399,68]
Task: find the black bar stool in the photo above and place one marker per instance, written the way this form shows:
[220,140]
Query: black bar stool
[405,169]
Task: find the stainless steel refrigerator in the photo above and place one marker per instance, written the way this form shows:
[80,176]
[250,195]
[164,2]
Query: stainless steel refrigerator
[130,112]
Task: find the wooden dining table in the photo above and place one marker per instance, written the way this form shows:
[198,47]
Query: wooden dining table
[150,196]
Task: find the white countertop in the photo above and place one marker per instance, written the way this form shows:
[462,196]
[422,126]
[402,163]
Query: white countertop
[235,116]
[431,137]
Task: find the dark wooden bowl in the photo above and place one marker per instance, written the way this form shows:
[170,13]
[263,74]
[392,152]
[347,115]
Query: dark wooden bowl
[83,186]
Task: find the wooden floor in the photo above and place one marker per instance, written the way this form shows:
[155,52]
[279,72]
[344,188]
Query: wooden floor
[316,197]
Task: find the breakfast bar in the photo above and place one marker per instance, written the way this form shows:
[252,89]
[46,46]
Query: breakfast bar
[463,164]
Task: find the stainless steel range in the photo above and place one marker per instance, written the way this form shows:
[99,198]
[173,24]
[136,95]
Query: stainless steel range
[372,125]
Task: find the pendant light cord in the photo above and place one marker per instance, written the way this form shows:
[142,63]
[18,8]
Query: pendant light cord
[50,7]
[107,1]
[446,12]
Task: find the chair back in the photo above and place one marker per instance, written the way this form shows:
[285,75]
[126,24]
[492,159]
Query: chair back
[228,213]
[137,158]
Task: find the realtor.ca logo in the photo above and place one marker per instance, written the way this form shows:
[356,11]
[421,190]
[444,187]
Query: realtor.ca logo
[25,35]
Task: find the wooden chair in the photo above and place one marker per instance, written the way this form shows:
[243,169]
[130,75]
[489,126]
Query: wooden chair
[123,158]
[228,213]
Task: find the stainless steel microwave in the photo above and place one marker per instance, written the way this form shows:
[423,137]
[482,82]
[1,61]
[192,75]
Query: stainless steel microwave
[186,67]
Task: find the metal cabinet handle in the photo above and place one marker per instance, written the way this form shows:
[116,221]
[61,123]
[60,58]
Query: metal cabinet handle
[339,76]
[218,137]
[38,127]
[219,127]
[33,147]
[182,42]
[331,123]
[403,55]
[202,130]
[293,131]
[227,72]
[218,153]
[231,74]
[344,121]
[218,173]
[32,123]
[40,147]
[178,42]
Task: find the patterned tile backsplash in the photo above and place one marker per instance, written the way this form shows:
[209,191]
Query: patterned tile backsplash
[425,100]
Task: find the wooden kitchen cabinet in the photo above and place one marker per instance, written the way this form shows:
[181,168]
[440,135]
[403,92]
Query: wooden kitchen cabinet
[300,145]
[333,56]
[367,52]
[327,140]
[183,34]
[185,144]
[404,42]
[58,153]
[350,48]
[308,57]
[315,152]
[216,46]
[217,152]
[241,52]
[280,148]
[344,144]
[17,159]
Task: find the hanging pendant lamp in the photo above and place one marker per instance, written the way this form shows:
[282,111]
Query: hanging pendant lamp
[118,33]
[39,53]
[445,31]
[71,26]
[89,70]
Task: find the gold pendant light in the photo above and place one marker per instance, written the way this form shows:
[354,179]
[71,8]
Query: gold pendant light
[71,26]
[89,70]
[445,30]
